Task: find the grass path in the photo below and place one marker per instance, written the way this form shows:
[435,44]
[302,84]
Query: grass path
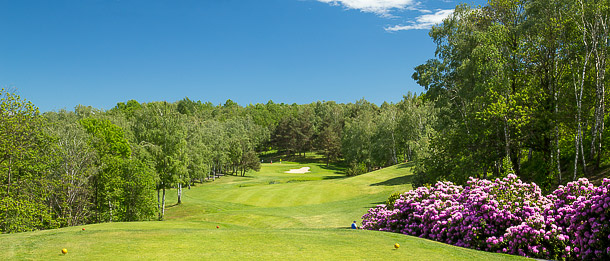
[268,215]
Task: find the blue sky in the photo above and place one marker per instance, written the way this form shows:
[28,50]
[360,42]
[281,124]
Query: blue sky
[59,54]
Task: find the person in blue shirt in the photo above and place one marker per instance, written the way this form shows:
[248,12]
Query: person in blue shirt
[354,225]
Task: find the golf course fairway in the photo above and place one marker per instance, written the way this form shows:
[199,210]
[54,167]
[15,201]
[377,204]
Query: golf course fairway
[269,215]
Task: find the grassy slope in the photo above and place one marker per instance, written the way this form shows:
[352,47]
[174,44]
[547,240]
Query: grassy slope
[268,215]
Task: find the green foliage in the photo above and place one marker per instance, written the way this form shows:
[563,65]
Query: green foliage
[19,213]
[73,171]
[24,157]
[128,109]
[391,200]
[384,147]
[186,106]
[356,141]
[295,132]
[514,82]
[107,138]
[138,191]
[356,169]
[123,187]
[330,120]
[250,161]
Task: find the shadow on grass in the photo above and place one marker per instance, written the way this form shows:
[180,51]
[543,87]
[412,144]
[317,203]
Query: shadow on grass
[309,157]
[335,168]
[408,179]
[301,159]
[172,205]
[406,165]
[333,177]
[247,176]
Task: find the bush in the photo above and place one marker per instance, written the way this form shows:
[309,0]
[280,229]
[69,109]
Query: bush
[392,199]
[356,169]
[505,215]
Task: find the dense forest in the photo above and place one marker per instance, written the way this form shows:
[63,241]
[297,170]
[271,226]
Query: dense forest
[519,87]
[516,87]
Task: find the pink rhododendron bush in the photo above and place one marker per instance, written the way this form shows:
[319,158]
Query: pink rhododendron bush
[505,215]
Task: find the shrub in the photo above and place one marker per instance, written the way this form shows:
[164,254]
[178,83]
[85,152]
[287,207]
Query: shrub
[356,169]
[392,199]
[504,215]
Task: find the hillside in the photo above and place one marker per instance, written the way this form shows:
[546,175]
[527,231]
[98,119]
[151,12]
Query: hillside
[266,215]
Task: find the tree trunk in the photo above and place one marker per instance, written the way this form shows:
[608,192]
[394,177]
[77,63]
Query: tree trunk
[600,66]
[163,206]
[557,138]
[394,159]
[179,193]
[576,140]
[8,187]
[579,95]
[595,32]
[110,207]
[507,143]
[582,156]
[159,202]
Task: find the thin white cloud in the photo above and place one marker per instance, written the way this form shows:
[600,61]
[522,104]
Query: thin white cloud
[380,7]
[423,21]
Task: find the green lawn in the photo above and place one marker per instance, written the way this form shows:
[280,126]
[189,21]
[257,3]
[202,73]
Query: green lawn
[265,215]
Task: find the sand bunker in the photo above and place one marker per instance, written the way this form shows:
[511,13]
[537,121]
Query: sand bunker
[301,170]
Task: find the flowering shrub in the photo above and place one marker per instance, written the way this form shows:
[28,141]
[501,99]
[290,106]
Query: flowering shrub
[505,215]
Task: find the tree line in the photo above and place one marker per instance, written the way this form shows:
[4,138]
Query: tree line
[519,87]
[68,168]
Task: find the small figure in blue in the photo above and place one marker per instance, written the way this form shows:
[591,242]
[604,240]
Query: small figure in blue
[354,226]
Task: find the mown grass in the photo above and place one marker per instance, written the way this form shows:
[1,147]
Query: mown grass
[265,215]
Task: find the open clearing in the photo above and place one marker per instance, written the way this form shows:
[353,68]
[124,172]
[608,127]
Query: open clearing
[267,215]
